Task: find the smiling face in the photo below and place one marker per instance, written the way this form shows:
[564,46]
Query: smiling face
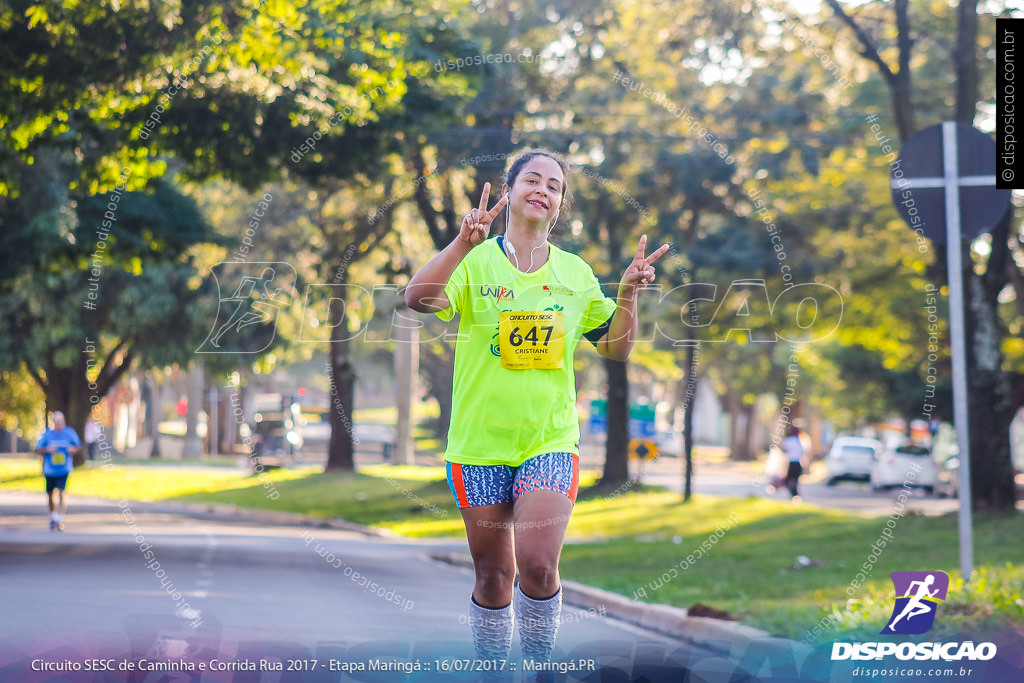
[537,191]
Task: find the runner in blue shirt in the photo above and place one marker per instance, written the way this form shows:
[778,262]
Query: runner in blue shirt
[57,446]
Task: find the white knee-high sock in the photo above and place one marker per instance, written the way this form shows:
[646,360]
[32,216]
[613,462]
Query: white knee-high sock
[492,630]
[538,624]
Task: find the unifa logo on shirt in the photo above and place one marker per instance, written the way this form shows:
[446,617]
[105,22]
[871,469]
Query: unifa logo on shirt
[498,292]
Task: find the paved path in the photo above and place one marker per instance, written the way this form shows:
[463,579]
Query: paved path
[151,582]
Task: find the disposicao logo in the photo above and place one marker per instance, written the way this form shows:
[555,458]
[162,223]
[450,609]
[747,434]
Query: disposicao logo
[917,598]
[918,595]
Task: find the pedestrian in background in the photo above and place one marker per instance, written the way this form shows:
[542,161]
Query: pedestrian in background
[933,429]
[58,446]
[794,451]
[92,436]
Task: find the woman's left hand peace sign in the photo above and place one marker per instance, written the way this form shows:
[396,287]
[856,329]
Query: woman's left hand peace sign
[640,272]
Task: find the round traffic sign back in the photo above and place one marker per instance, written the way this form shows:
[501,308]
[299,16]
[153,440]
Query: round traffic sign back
[932,162]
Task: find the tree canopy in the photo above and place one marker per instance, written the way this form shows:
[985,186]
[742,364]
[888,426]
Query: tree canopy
[737,133]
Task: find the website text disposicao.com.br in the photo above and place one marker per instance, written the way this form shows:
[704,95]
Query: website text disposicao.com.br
[953,659]
[913,673]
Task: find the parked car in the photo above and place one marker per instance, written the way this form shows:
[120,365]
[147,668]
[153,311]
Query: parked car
[669,443]
[851,457]
[949,478]
[894,467]
[275,435]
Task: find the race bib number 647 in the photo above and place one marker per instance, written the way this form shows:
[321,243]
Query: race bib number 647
[531,339]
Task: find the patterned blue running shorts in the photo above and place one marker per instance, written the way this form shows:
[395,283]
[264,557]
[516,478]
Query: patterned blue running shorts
[476,485]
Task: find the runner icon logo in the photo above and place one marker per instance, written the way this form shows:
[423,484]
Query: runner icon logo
[917,598]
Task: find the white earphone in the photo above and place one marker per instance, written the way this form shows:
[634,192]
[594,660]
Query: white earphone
[508,243]
[511,247]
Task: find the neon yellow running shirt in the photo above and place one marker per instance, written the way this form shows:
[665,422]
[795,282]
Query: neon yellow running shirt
[503,416]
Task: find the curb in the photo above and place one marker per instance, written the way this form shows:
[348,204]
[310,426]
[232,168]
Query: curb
[233,512]
[717,635]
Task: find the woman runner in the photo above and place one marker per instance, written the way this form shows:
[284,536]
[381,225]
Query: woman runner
[513,445]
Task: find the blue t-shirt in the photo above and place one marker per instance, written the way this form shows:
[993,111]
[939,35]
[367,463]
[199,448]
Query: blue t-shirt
[58,463]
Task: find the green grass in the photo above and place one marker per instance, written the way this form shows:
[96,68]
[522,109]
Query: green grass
[410,500]
[753,574]
[389,414]
[623,540]
[144,482]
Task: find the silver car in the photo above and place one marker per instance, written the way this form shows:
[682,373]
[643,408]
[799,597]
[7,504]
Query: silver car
[852,458]
[907,465]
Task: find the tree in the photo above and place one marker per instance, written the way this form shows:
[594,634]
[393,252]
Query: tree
[19,404]
[989,398]
[105,297]
[204,89]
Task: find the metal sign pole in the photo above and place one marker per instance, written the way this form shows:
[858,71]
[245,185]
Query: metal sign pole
[956,332]
[952,158]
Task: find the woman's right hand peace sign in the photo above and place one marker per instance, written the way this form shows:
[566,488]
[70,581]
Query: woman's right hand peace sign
[476,226]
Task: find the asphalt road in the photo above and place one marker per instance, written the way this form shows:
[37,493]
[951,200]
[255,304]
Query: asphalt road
[145,583]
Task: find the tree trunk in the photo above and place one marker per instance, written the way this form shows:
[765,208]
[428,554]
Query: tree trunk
[342,379]
[406,372]
[902,90]
[193,447]
[438,370]
[616,458]
[616,461]
[689,394]
[227,421]
[745,431]
[732,409]
[989,401]
[965,61]
[76,415]
[899,81]
[155,412]
[213,421]
[989,405]
[67,390]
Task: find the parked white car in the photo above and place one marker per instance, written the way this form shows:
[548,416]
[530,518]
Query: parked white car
[897,463]
[669,443]
[949,478]
[851,457]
